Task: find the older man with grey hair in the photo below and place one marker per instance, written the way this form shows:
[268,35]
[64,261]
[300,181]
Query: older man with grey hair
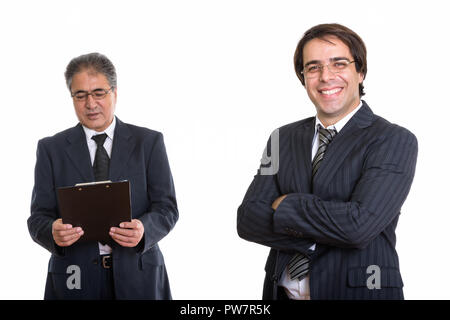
[102,147]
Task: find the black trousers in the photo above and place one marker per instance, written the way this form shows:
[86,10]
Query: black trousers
[107,281]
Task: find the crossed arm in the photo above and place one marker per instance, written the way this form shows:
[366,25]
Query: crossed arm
[296,220]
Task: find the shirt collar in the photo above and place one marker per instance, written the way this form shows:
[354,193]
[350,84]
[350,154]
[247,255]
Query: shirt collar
[341,123]
[109,131]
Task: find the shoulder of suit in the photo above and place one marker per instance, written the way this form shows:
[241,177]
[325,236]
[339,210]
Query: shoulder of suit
[388,128]
[61,136]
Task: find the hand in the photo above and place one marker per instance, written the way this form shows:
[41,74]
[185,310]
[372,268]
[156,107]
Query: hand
[129,234]
[277,201]
[64,234]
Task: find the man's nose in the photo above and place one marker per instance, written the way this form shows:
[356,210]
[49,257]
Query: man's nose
[90,101]
[326,74]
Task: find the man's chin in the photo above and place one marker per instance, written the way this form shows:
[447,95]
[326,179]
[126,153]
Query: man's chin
[97,125]
[329,109]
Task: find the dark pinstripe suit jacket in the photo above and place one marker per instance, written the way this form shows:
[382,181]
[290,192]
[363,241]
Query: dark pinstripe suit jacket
[351,212]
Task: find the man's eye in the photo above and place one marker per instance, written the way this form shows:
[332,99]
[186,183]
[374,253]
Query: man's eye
[99,93]
[80,95]
[340,65]
[313,68]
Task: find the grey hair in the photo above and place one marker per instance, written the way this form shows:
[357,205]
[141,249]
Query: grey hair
[91,61]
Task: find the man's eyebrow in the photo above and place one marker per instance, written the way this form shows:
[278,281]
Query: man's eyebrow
[84,91]
[79,91]
[339,58]
[331,60]
[312,62]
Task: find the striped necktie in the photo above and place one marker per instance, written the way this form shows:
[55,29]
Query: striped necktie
[298,266]
[325,137]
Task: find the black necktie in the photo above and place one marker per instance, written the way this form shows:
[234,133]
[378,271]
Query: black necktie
[101,161]
[298,267]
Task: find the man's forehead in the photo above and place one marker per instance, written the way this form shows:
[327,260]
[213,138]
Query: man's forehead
[88,79]
[330,40]
[333,42]
[90,74]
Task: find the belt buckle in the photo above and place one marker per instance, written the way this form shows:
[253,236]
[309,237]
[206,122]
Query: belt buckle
[105,262]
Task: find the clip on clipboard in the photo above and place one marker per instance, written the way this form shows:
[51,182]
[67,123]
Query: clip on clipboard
[95,207]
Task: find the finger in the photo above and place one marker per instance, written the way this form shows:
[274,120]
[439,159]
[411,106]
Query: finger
[68,240]
[61,227]
[129,225]
[69,234]
[71,237]
[62,233]
[125,232]
[122,238]
[58,225]
[63,237]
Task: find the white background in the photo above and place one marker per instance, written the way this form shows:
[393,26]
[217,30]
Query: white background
[216,77]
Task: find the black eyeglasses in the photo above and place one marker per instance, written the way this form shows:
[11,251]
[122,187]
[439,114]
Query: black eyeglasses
[97,94]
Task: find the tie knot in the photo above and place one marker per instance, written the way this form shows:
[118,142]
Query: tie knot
[326,135]
[99,139]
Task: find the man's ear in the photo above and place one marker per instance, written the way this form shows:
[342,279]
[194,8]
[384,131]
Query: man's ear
[115,93]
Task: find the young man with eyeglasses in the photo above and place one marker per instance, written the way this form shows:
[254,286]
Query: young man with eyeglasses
[330,209]
[131,265]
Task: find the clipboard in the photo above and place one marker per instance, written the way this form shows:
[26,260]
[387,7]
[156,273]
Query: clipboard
[95,207]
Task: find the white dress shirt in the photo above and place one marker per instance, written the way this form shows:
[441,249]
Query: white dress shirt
[92,146]
[299,290]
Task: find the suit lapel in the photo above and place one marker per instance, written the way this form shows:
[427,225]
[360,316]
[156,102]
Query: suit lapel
[78,153]
[123,146]
[301,143]
[344,142]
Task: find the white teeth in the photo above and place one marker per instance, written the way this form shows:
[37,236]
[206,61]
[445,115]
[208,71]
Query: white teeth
[328,92]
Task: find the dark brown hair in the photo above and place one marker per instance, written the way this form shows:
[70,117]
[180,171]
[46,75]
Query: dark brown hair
[347,36]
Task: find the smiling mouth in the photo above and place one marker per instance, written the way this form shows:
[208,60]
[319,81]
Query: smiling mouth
[331,91]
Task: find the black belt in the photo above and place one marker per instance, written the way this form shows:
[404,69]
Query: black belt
[106,261]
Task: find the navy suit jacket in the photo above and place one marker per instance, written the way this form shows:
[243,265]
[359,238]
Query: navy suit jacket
[138,155]
[350,210]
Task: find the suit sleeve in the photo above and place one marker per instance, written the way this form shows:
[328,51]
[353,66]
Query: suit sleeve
[255,215]
[43,202]
[375,202]
[163,213]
